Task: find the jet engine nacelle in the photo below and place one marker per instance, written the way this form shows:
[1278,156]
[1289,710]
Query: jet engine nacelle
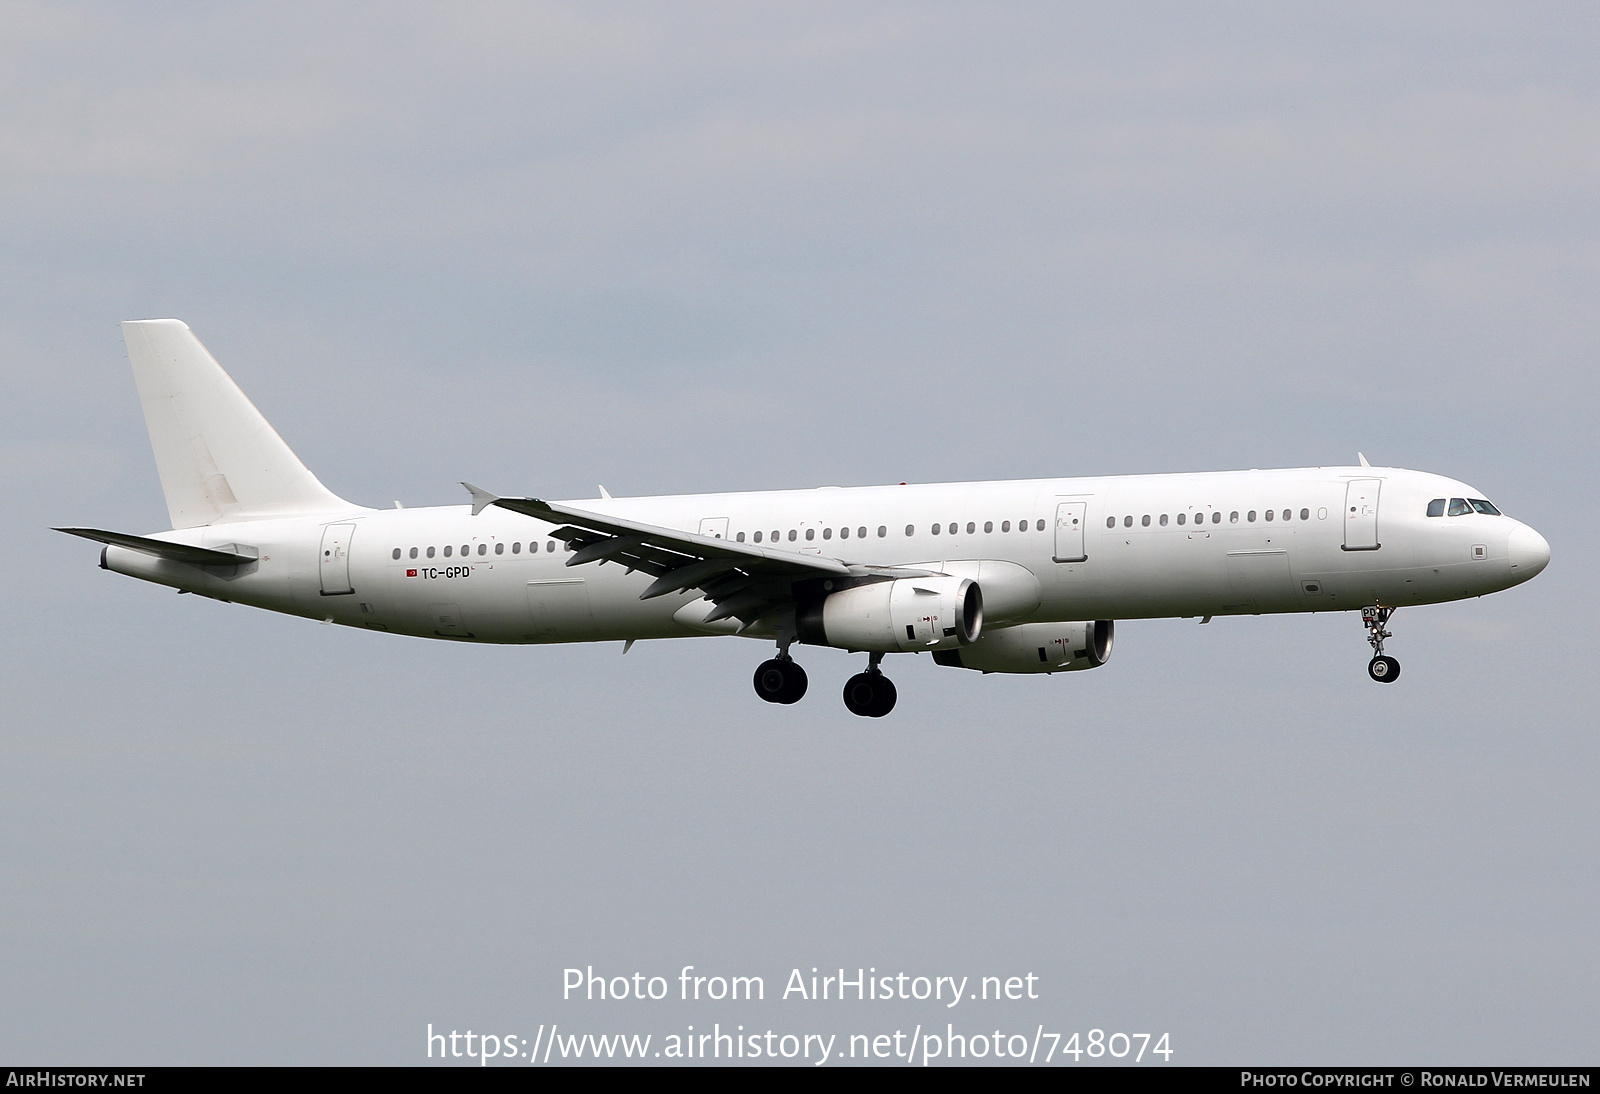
[1036,647]
[898,616]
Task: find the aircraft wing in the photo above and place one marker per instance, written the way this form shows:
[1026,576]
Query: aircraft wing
[743,580]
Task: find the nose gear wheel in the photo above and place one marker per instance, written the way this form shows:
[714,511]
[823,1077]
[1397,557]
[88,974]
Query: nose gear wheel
[1384,669]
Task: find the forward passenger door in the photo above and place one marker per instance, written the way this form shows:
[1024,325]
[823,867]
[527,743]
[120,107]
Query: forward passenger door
[1361,515]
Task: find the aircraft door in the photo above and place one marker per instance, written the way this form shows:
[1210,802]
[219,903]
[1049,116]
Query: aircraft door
[1361,515]
[715,527]
[334,562]
[1070,517]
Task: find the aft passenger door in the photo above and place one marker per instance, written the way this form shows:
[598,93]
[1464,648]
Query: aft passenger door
[335,561]
[1070,516]
[1361,515]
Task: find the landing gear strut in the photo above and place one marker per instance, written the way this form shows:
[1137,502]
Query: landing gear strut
[870,694]
[1385,670]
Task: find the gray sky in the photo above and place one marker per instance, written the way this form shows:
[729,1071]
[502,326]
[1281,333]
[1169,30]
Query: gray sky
[714,247]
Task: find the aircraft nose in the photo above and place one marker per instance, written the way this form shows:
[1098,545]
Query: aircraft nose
[1528,551]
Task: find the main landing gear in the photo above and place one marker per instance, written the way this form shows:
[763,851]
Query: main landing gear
[870,694]
[1385,670]
[780,680]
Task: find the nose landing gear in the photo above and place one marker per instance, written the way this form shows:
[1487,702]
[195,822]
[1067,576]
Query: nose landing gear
[1384,669]
[870,694]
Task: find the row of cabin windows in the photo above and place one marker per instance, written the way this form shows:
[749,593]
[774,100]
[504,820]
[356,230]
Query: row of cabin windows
[483,549]
[1216,517]
[775,536]
[1438,507]
[911,529]
[1460,507]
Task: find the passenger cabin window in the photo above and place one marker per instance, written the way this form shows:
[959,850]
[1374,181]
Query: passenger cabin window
[1233,517]
[516,548]
[1005,526]
[413,552]
[910,531]
[1182,517]
[499,548]
[1287,514]
[550,547]
[988,526]
[1459,507]
[1111,522]
[757,537]
[1305,514]
[430,552]
[937,529]
[1250,516]
[811,533]
[827,533]
[1436,507]
[1269,514]
[447,551]
[1484,507]
[397,553]
[844,533]
[1144,521]
[740,537]
[971,527]
[792,535]
[1163,520]
[1216,518]
[1127,522]
[1041,525]
[883,530]
[952,528]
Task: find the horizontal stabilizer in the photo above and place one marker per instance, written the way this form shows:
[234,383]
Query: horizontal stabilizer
[177,552]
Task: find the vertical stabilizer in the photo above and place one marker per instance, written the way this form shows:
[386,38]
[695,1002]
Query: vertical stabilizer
[219,459]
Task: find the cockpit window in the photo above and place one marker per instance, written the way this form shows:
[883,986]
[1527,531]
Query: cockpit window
[1436,507]
[1459,507]
[1484,507]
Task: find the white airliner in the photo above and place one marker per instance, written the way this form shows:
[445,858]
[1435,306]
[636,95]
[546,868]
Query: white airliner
[1021,577]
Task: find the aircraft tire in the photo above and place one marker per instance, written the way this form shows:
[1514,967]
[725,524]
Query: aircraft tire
[869,694]
[1385,670]
[886,698]
[779,681]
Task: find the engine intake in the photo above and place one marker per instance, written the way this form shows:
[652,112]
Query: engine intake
[1036,647]
[897,616]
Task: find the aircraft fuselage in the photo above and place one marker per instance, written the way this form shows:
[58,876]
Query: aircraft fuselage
[498,577]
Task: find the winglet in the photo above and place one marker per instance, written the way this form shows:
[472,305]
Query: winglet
[1362,457]
[604,493]
[481,499]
